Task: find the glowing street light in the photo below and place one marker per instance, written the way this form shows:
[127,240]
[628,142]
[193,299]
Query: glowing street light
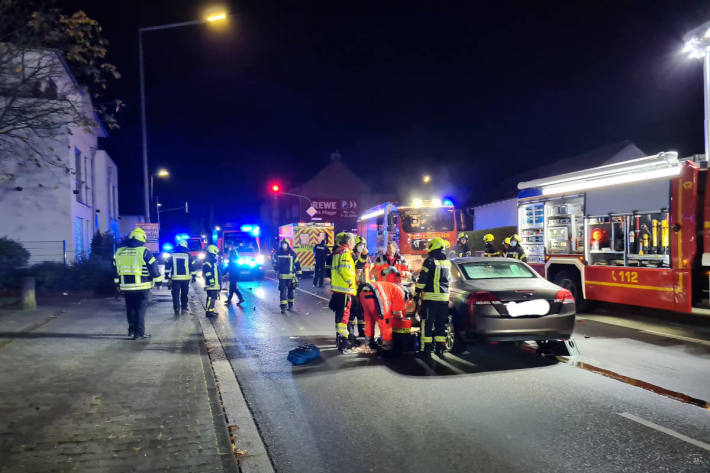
[212,17]
[697,46]
[162,173]
[426,179]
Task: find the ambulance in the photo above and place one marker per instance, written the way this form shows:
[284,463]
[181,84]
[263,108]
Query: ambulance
[303,237]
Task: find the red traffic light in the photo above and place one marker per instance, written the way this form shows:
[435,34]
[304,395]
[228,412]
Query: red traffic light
[275,188]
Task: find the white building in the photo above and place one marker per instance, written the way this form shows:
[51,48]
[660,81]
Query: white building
[54,210]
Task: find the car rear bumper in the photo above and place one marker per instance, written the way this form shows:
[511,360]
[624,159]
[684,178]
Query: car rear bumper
[549,327]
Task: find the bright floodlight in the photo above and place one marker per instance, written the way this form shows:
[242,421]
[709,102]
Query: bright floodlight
[426,179]
[217,17]
[162,173]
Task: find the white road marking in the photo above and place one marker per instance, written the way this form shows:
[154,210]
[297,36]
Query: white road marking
[307,292]
[665,430]
[634,325]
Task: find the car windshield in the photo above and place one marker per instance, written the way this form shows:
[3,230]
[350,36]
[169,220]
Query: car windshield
[427,220]
[495,270]
[194,244]
[242,242]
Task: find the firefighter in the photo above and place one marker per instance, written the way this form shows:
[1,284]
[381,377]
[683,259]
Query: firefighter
[433,285]
[343,286]
[233,275]
[516,249]
[491,249]
[461,249]
[288,270]
[391,266]
[320,253]
[213,279]
[363,267]
[381,301]
[506,251]
[179,269]
[136,270]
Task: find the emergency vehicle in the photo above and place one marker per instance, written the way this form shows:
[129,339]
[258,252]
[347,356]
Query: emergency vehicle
[635,232]
[244,239]
[412,226]
[302,237]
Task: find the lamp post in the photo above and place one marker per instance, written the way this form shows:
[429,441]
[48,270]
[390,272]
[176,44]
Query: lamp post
[144,134]
[697,46]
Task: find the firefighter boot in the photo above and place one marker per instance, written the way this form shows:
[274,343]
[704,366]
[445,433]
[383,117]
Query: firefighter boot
[440,349]
[371,343]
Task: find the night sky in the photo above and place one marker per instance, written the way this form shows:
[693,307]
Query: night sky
[465,93]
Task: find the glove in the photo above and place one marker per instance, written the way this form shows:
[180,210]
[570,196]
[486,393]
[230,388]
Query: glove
[194,278]
[294,281]
[159,284]
[170,284]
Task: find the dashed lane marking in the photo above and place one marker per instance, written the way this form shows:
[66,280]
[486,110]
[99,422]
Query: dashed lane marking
[665,430]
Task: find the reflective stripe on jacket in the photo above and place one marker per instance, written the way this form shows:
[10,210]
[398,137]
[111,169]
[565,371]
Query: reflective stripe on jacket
[132,269]
[178,267]
[342,272]
[210,271]
[434,278]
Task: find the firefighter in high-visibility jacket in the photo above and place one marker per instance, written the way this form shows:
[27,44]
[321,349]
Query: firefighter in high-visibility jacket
[391,266]
[381,301]
[320,254]
[461,249]
[491,249]
[213,279]
[288,269]
[433,285]
[363,269]
[136,271]
[343,285]
[516,249]
[179,269]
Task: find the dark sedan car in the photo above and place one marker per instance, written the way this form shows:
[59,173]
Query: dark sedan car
[502,299]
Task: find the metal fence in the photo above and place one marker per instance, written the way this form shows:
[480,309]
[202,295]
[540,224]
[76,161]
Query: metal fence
[54,251]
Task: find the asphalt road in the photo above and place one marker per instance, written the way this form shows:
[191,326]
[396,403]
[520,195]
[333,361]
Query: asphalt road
[495,408]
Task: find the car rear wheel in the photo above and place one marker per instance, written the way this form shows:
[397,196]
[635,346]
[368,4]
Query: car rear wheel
[454,344]
[570,280]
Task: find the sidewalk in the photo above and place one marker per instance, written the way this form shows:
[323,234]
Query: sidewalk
[78,395]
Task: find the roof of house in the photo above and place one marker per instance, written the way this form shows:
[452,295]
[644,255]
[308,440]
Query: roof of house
[507,187]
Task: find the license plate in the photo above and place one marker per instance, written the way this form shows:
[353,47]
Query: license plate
[534,307]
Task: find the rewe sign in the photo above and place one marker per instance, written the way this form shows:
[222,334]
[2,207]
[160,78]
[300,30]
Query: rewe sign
[335,208]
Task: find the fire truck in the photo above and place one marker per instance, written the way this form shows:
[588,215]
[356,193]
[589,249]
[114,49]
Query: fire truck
[635,232]
[245,240]
[302,237]
[411,226]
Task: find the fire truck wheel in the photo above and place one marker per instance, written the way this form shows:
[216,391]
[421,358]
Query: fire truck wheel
[454,344]
[570,280]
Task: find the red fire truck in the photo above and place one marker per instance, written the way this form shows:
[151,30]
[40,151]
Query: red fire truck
[635,232]
[411,226]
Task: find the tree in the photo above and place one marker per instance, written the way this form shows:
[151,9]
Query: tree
[38,105]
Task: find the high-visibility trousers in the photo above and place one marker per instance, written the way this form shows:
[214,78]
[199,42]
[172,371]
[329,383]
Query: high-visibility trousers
[372,316]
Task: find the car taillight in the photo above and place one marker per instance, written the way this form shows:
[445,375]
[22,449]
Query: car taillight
[564,296]
[480,298]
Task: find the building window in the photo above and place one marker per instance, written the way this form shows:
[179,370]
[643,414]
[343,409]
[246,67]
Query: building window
[78,187]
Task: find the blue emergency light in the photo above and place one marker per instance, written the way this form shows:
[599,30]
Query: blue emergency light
[182,236]
[447,203]
[253,229]
[167,247]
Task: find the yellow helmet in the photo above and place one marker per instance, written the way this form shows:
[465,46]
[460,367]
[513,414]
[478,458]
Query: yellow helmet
[447,244]
[488,237]
[515,237]
[507,240]
[435,244]
[137,234]
[462,235]
[359,239]
[212,249]
[342,238]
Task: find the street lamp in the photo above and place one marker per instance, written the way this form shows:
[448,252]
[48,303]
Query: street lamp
[162,173]
[426,178]
[211,18]
[697,46]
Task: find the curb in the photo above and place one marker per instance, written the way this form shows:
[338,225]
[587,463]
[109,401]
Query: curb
[248,445]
